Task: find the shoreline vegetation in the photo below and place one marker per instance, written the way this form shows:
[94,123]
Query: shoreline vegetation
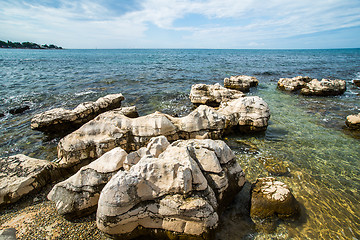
[27,45]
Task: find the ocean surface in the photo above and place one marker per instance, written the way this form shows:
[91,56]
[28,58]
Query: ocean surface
[306,136]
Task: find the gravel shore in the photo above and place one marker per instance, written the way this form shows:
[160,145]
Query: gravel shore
[35,217]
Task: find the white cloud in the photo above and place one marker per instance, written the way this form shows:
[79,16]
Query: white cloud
[90,24]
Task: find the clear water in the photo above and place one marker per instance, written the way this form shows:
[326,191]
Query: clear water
[305,134]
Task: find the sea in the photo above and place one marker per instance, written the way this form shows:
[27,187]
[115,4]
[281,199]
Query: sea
[306,136]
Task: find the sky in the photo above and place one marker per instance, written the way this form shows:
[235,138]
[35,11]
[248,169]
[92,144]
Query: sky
[216,24]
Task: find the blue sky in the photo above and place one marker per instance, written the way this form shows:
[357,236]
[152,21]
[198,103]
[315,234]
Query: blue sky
[221,24]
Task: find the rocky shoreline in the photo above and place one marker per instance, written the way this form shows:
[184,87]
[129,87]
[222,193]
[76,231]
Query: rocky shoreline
[153,175]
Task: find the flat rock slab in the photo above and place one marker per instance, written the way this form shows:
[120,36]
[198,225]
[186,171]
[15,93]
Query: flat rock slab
[61,119]
[21,175]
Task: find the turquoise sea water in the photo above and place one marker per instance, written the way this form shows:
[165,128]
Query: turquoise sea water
[307,135]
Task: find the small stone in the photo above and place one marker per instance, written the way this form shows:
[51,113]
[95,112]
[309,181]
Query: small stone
[353,121]
[19,110]
[357,82]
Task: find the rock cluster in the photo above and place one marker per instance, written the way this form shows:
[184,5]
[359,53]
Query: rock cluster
[180,192]
[59,119]
[78,195]
[21,175]
[242,82]
[113,129]
[212,95]
[353,121]
[309,86]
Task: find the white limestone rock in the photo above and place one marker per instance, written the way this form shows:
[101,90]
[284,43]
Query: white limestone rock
[293,84]
[353,121]
[241,82]
[325,87]
[78,195]
[21,175]
[113,129]
[212,95]
[180,191]
[58,119]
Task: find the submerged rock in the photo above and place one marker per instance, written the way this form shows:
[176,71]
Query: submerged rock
[293,84]
[19,110]
[78,195]
[21,175]
[353,121]
[356,82]
[112,129]
[212,95]
[275,166]
[271,199]
[242,82]
[59,119]
[180,193]
[325,87]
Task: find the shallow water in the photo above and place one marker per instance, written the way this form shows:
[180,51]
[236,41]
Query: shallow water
[306,135]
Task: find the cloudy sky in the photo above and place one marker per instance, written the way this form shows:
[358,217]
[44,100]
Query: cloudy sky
[183,23]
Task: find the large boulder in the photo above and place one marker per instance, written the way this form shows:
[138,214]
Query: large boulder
[179,193]
[271,199]
[112,129]
[21,175]
[212,95]
[58,119]
[78,195]
[325,87]
[353,121]
[293,84]
[241,82]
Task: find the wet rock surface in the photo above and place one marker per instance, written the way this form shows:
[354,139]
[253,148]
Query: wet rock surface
[241,82]
[113,129]
[21,175]
[270,200]
[212,95]
[180,192]
[59,119]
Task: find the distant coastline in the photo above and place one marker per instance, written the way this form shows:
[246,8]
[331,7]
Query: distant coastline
[27,45]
